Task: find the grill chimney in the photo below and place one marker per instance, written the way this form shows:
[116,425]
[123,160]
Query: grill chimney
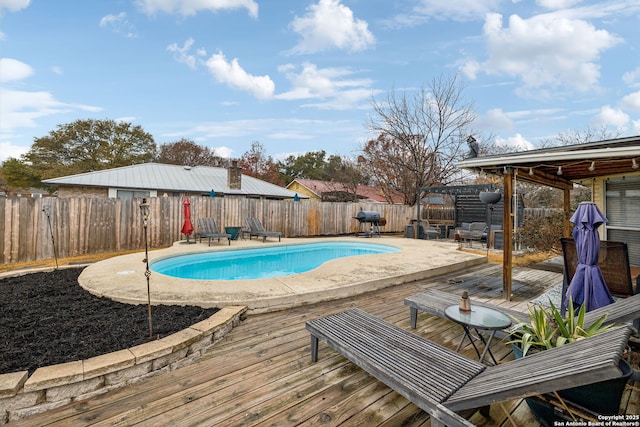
[234,176]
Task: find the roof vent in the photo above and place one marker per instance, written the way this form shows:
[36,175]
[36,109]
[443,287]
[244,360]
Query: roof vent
[187,168]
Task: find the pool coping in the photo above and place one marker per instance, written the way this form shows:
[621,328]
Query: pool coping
[122,278]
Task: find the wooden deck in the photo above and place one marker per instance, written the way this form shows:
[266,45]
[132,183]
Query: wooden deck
[261,373]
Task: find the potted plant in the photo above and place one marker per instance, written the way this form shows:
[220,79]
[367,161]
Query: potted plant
[547,328]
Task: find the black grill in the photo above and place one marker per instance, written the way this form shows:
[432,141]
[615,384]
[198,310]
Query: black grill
[368,216]
[369,223]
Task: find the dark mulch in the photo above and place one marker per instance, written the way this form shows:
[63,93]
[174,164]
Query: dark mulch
[47,318]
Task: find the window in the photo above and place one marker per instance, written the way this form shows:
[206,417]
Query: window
[622,201]
[128,194]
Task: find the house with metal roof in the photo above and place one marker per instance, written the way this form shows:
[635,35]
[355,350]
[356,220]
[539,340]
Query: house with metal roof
[160,180]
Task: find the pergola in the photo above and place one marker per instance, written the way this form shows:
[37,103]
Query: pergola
[558,167]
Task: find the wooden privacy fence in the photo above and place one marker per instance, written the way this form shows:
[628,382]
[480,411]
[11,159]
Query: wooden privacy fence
[78,226]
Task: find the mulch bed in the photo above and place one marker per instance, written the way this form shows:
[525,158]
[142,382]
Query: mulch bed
[47,318]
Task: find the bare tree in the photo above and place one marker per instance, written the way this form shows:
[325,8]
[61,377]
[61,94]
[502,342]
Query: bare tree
[420,137]
[574,137]
[258,164]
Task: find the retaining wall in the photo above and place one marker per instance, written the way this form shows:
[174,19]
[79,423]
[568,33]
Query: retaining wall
[49,387]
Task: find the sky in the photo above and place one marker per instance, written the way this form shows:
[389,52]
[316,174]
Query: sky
[300,75]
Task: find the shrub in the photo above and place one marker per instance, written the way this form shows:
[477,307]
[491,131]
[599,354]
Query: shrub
[543,233]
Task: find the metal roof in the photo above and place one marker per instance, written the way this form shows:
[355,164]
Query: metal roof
[173,178]
[561,166]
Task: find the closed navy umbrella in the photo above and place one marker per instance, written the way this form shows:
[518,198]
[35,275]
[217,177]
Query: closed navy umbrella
[587,286]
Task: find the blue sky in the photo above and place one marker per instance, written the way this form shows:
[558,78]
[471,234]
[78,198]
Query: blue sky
[299,75]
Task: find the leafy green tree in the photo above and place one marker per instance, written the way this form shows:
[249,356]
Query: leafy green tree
[16,175]
[187,153]
[311,165]
[89,145]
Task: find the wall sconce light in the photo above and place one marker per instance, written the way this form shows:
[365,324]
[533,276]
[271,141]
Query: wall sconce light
[505,170]
[531,171]
[592,167]
[634,164]
[559,170]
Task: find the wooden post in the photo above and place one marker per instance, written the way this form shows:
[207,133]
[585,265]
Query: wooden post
[507,220]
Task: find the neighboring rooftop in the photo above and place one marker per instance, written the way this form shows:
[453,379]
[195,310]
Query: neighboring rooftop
[173,178]
[328,189]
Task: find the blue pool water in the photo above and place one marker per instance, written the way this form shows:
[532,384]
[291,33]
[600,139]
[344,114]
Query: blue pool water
[262,263]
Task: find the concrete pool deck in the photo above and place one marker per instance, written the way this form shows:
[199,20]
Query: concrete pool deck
[122,278]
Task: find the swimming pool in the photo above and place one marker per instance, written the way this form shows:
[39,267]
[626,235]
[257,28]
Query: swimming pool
[262,263]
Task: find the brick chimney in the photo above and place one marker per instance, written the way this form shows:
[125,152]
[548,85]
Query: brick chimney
[234,176]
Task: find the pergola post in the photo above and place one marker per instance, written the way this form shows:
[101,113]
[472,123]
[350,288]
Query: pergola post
[507,221]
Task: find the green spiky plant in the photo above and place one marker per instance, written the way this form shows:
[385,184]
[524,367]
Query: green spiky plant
[547,328]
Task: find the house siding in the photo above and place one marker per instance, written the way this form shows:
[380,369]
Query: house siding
[82,191]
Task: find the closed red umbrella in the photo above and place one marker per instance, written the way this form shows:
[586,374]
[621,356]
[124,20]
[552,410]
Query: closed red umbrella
[187,226]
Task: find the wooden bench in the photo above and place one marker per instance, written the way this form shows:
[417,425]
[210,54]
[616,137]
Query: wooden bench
[435,302]
[440,381]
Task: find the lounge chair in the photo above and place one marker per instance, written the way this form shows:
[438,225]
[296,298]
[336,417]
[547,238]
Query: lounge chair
[440,380]
[257,229]
[435,302]
[207,227]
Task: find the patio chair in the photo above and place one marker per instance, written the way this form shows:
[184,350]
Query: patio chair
[475,232]
[257,229]
[613,260]
[207,227]
[440,380]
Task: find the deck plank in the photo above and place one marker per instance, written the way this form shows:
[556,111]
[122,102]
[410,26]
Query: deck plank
[261,373]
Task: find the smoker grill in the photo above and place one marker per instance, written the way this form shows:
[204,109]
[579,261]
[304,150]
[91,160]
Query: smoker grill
[369,223]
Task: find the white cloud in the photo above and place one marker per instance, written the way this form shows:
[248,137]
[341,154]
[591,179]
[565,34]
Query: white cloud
[558,4]
[191,7]
[182,55]
[57,70]
[631,101]
[632,78]
[330,25]
[457,10]
[8,149]
[224,152]
[14,5]
[544,51]
[21,109]
[514,143]
[609,116]
[496,119]
[12,70]
[232,74]
[118,24]
[334,87]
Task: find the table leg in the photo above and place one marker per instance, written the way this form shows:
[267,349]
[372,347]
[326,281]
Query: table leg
[467,333]
[413,314]
[487,344]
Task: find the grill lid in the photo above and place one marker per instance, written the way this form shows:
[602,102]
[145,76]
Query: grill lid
[368,216]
